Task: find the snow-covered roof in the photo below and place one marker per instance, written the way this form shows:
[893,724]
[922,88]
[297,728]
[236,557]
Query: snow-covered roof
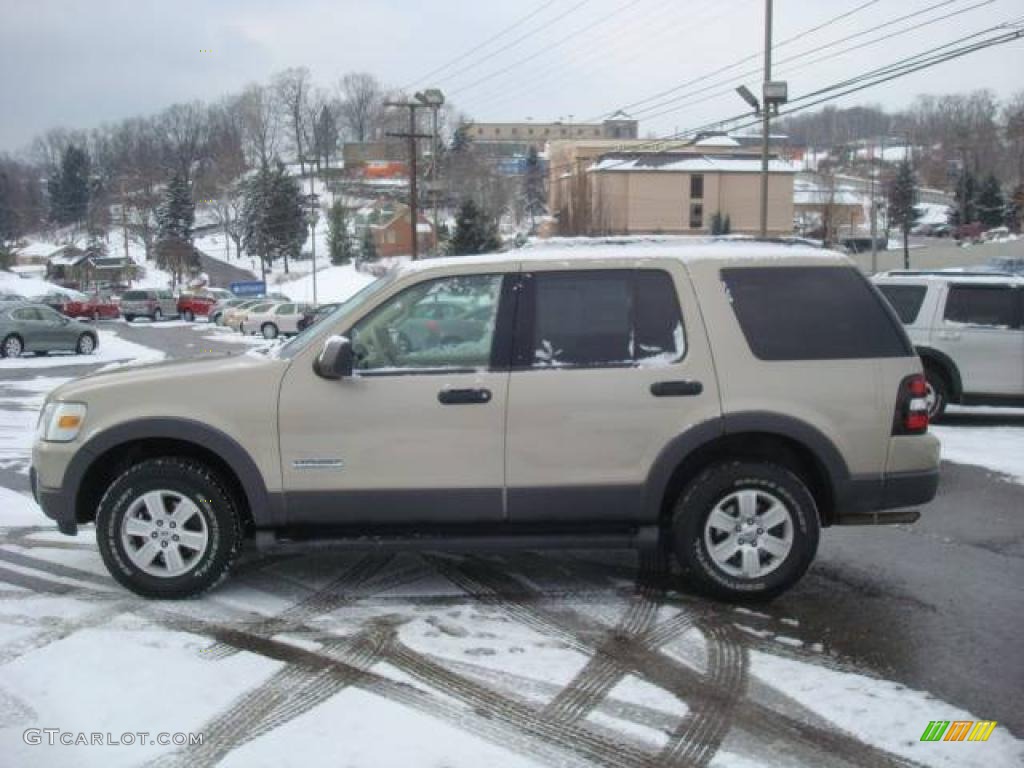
[688,249]
[676,163]
[717,141]
[67,256]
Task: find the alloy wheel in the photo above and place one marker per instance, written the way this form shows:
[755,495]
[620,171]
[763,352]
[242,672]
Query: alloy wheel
[749,533]
[164,533]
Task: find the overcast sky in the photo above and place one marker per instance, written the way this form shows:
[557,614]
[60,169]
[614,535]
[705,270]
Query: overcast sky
[78,64]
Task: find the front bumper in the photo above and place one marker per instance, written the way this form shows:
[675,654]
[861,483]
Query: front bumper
[55,503]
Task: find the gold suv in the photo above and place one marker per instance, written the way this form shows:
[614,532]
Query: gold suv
[724,400]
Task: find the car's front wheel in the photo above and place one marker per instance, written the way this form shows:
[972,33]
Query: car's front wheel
[168,528]
[269,331]
[745,530]
[938,393]
[188,316]
[158,315]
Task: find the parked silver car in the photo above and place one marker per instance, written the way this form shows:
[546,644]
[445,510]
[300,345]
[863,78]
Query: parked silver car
[156,305]
[39,329]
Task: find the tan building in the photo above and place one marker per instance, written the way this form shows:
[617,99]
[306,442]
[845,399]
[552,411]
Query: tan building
[673,188]
[619,126]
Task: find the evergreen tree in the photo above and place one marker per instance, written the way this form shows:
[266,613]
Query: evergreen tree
[533,182]
[339,244]
[254,220]
[475,231]
[10,225]
[991,205]
[69,187]
[368,248]
[902,199]
[287,215]
[1015,209]
[461,139]
[177,212]
[964,212]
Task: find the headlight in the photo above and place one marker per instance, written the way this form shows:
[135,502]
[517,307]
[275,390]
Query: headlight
[61,422]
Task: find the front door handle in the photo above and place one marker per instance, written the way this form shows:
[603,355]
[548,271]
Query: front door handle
[464,396]
[676,388]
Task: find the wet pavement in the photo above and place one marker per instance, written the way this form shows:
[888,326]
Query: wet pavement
[574,658]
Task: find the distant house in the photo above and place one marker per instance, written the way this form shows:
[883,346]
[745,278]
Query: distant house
[392,235]
[71,267]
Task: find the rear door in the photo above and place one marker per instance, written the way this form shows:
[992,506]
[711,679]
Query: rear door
[609,365]
[980,329]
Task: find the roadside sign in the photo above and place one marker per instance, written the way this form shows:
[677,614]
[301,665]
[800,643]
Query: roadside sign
[250,288]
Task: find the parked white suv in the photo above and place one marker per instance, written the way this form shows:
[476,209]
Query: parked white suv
[968,329]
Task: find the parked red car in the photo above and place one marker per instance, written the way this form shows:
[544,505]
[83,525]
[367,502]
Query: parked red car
[93,307]
[969,232]
[199,304]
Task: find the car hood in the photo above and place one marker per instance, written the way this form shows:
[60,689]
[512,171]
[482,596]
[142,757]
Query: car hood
[170,379]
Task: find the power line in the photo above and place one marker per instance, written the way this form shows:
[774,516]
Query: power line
[451,62]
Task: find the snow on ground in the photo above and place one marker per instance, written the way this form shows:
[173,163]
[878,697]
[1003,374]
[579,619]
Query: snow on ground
[17,508]
[332,284]
[22,401]
[112,348]
[992,438]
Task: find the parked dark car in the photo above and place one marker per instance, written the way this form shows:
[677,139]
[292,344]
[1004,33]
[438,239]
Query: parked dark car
[93,307]
[40,329]
[314,315]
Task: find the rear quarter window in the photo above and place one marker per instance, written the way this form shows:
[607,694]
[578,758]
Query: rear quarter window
[813,313]
[906,300]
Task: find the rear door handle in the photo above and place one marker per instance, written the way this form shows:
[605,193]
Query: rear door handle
[676,388]
[464,396]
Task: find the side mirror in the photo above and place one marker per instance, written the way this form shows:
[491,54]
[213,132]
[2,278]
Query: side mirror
[336,359]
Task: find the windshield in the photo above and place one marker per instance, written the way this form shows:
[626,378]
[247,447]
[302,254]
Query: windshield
[300,341]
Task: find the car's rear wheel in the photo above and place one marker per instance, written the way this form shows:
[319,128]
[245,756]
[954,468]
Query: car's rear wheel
[269,331]
[129,318]
[158,315]
[188,315]
[745,530]
[938,393]
[86,344]
[168,528]
[12,346]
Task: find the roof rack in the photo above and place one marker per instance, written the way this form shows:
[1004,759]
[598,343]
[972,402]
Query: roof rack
[944,273]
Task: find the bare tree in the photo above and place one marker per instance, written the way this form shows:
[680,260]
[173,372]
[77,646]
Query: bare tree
[362,100]
[184,131]
[291,93]
[261,125]
[1013,127]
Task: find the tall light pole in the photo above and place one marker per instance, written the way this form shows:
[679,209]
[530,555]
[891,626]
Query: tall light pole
[773,93]
[766,118]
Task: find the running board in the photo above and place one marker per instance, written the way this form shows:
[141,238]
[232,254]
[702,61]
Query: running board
[642,537]
[905,517]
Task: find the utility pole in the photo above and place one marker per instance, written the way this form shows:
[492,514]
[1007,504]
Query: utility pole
[874,208]
[312,224]
[433,179]
[411,135]
[766,116]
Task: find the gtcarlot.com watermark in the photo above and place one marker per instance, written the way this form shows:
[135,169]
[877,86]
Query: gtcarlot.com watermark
[55,736]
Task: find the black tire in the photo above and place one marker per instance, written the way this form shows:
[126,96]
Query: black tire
[715,484]
[269,331]
[129,318]
[938,387]
[204,488]
[86,344]
[12,346]
[188,316]
[158,316]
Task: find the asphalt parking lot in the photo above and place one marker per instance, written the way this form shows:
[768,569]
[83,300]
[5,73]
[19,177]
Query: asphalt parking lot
[581,658]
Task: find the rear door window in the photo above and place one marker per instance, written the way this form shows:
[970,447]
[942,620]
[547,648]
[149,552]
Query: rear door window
[905,299]
[593,318]
[813,313]
[994,306]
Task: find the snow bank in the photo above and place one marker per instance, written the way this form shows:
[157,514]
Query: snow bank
[993,446]
[332,284]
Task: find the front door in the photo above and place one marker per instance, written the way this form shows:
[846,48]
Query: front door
[417,434]
[609,366]
[981,331]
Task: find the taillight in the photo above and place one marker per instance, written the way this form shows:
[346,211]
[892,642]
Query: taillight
[911,406]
